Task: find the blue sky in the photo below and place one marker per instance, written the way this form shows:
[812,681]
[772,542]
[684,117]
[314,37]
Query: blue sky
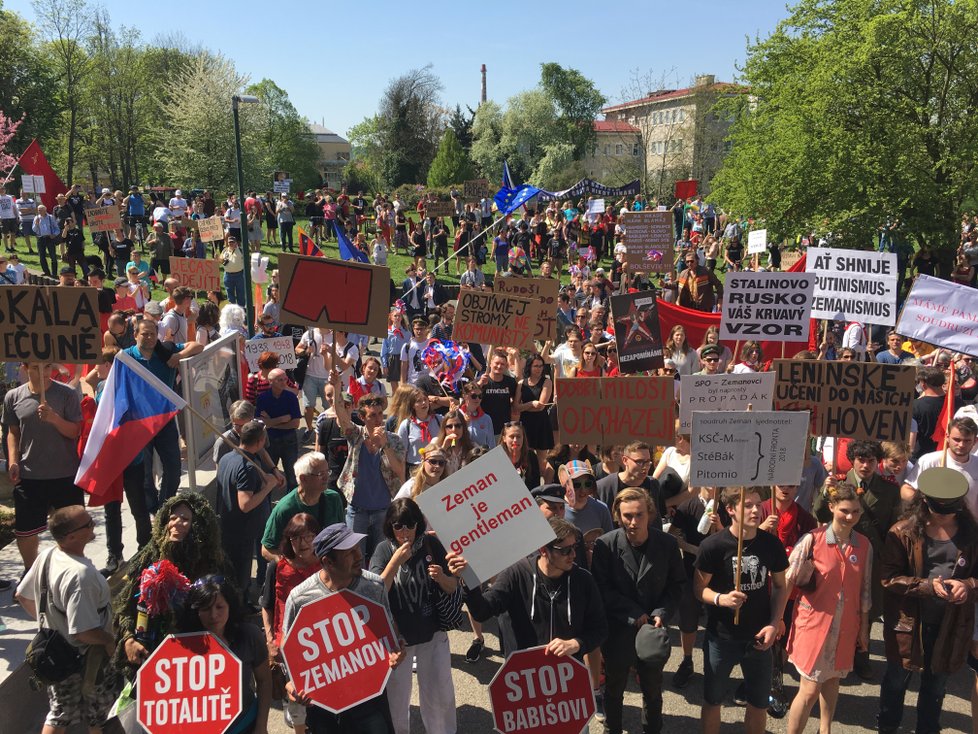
[335,60]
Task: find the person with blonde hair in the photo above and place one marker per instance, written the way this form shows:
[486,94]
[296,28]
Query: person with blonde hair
[431,470]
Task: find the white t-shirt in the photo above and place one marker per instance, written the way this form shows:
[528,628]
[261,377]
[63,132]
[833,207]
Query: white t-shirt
[78,597]
[411,355]
[351,353]
[855,339]
[317,367]
[969,469]
[161,214]
[178,206]
[8,209]
[565,360]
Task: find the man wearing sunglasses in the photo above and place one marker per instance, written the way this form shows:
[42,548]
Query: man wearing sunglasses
[636,461]
[583,510]
[709,360]
[550,600]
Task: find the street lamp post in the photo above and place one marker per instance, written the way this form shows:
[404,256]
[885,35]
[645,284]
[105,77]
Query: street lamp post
[246,244]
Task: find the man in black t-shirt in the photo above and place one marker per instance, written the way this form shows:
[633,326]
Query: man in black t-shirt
[760,594]
[927,408]
[498,391]
[636,461]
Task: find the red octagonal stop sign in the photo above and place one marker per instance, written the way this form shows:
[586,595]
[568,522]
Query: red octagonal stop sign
[536,692]
[343,638]
[190,684]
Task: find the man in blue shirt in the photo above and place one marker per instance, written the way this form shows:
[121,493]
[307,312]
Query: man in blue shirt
[279,409]
[894,353]
[162,360]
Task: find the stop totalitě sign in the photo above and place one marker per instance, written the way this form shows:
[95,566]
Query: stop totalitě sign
[535,692]
[190,684]
[337,650]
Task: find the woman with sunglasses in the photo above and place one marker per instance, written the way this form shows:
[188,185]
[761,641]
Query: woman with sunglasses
[928,567]
[611,366]
[534,394]
[454,440]
[432,469]
[752,359]
[513,440]
[590,365]
[412,564]
[418,427]
[479,422]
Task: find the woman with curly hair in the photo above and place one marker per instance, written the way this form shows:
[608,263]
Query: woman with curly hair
[186,533]
[213,605]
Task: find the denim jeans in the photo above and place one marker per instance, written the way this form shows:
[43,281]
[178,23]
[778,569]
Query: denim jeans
[369,522]
[167,445]
[370,717]
[930,698]
[234,285]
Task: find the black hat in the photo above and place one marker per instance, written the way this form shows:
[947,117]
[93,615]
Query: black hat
[67,270]
[710,349]
[335,537]
[652,645]
[550,493]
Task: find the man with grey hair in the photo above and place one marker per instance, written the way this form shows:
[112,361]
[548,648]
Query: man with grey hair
[311,496]
[241,412]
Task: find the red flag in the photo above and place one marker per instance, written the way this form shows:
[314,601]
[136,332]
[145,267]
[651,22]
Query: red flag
[307,246]
[34,163]
[947,413]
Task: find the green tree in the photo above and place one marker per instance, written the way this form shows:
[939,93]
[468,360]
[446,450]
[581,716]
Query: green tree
[410,125]
[451,164]
[284,140]
[487,131]
[366,154]
[28,84]
[461,125]
[578,103]
[860,111]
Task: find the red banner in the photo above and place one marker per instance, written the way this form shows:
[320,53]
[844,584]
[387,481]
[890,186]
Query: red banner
[34,163]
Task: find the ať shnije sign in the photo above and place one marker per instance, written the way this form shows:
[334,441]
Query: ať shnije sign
[535,692]
[637,332]
[546,289]
[773,306]
[210,228]
[854,285]
[495,318]
[337,650]
[601,411]
[49,324]
[756,241]
[202,274]
[485,512]
[741,448]
[103,218]
[284,346]
[942,313]
[190,684]
[649,241]
[723,392]
[860,400]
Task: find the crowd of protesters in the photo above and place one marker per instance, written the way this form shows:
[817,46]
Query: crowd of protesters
[320,489]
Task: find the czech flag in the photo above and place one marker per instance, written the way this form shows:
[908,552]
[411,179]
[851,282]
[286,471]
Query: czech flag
[134,407]
[307,246]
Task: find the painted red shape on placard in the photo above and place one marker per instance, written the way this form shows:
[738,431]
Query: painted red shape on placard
[341,291]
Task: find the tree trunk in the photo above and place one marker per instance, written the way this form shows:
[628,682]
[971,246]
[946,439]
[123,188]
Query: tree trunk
[72,129]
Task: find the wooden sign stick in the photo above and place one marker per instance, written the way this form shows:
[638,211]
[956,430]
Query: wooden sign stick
[740,538]
[950,417]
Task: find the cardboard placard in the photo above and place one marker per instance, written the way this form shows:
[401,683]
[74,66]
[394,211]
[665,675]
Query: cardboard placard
[854,285]
[485,512]
[600,411]
[649,241]
[49,324]
[546,289]
[476,189]
[284,346]
[723,392]
[942,313]
[196,274]
[738,449]
[860,400]
[439,209]
[756,241]
[789,258]
[496,318]
[637,333]
[339,294]
[210,228]
[769,306]
[103,218]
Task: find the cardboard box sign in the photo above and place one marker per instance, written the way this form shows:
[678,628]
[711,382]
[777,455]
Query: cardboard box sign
[495,318]
[49,324]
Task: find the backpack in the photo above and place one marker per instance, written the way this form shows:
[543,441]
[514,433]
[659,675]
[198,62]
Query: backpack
[358,367]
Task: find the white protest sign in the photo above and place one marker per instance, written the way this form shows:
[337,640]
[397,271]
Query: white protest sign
[737,449]
[942,313]
[595,206]
[282,187]
[854,285]
[283,345]
[485,512]
[773,306]
[756,241]
[723,392]
[27,184]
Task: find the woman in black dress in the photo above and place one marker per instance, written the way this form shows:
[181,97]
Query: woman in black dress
[535,393]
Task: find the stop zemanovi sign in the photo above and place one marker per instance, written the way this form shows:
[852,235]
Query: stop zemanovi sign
[344,638]
[534,692]
[190,684]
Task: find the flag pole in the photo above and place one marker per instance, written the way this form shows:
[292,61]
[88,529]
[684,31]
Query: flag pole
[224,438]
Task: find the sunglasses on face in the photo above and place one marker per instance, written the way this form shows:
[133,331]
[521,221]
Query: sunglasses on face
[404,525]
[475,395]
[564,550]
[587,484]
[436,462]
[711,359]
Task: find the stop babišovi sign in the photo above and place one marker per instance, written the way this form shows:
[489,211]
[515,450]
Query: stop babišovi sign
[343,639]
[190,684]
[537,692]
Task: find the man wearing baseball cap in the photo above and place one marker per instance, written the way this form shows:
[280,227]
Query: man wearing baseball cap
[338,550]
